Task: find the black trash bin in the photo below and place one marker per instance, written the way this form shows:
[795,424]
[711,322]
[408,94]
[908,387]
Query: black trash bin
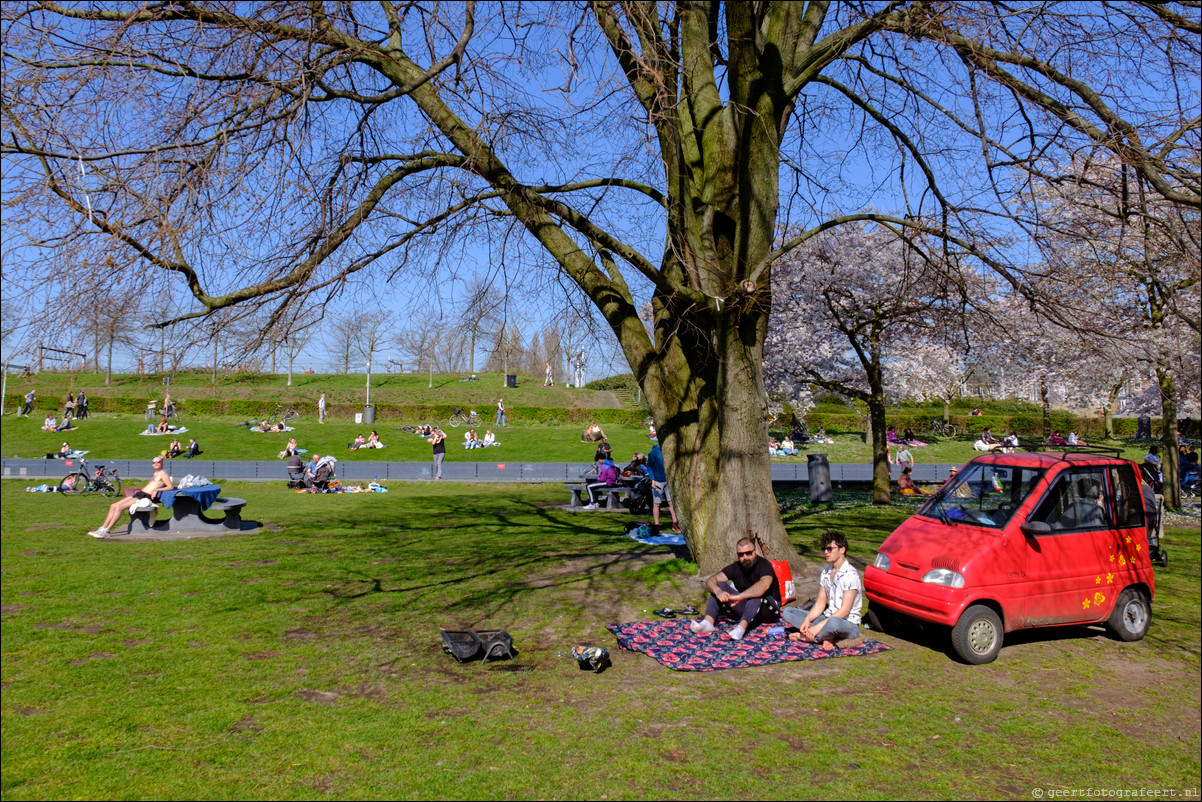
[369,414]
[511,380]
[820,479]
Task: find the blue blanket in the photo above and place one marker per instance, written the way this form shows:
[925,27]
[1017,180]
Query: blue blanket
[657,540]
[204,495]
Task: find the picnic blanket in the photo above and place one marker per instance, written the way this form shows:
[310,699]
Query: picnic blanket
[257,430]
[656,540]
[673,644]
[146,433]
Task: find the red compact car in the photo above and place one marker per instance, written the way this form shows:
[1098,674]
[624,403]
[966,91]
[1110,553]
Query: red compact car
[1017,541]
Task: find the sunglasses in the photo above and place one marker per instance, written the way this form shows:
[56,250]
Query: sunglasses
[744,553]
[830,548]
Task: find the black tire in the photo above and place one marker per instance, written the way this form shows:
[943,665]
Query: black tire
[1131,617]
[74,484]
[1164,558]
[977,636]
[881,619]
[110,485]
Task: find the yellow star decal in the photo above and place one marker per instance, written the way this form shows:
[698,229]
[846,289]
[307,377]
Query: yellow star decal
[1128,538]
[1112,558]
[1139,548]
[1097,580]
[1110,579]
[1085,604]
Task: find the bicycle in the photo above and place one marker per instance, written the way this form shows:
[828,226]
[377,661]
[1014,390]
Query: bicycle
[941,428]
[102,480]
[459,418]
[282,415]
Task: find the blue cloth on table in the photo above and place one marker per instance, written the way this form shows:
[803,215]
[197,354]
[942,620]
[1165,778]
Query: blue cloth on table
[204,495]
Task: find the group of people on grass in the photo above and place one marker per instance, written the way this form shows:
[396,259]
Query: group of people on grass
[470,440]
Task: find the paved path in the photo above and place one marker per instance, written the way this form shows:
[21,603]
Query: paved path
[530,472]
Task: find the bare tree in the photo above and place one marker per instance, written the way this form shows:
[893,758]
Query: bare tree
[271,152]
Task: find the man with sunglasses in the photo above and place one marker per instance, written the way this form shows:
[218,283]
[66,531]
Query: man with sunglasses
[160,481]
[836,612]
[743,586]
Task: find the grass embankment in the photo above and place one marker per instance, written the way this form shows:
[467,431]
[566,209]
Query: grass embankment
[304,661]
[115,436]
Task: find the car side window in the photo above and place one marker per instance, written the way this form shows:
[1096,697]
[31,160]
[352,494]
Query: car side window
[1077,500]
[1127,500]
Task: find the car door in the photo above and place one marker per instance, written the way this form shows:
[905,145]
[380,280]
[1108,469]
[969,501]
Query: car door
[1070,570]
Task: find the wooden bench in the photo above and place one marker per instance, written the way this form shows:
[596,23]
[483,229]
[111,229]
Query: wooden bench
[613,495]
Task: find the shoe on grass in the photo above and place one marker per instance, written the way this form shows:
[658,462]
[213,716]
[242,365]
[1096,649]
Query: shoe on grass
[99,533]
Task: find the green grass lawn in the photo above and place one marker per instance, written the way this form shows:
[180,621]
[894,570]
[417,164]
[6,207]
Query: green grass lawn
[304,661]
[115,436]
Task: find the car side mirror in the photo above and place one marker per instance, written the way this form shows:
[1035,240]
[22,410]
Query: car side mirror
[1035,528]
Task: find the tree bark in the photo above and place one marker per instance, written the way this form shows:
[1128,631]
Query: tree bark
[1168,437]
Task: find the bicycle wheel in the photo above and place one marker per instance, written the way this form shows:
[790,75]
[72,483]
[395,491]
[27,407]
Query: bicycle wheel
[74,484]
[290,415]
[953,430]
[110,485]
[455,421]
[474,420]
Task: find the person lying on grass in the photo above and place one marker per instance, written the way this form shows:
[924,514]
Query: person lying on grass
[159,482]
[836,612]
[744,586]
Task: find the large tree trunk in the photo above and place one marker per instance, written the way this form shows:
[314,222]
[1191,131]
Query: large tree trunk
[1168,437]
[707,395]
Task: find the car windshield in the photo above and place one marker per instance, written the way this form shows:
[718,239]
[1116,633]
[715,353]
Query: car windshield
[983,494]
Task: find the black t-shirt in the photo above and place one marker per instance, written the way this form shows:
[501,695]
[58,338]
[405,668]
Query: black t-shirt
[441,446]
[759,569]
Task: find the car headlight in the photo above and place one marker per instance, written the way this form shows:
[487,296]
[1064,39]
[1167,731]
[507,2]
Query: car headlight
[881,561]
[942,576]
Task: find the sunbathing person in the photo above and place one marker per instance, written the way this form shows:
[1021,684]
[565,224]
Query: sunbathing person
[175,449]
[490,439]
[359,442]
[158,483]
[193,448]
[593,434]
[290,450]
[744,585]
[836,612]
[50,424]
[905,483]
[373,440]
[470,440]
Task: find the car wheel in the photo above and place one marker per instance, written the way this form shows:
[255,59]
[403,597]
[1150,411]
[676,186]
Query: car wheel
[1131,616]
[881,619]
[977,636]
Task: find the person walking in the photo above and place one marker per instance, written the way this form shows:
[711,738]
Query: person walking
[438,440]
[500,412]
[321,409]
[549,380]
[81,405]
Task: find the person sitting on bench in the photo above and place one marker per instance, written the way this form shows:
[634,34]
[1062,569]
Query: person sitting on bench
[748,586]
[159,482]
[607,476]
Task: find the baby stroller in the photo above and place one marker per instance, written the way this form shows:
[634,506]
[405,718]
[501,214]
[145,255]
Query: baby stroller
[324,474]
[638,501]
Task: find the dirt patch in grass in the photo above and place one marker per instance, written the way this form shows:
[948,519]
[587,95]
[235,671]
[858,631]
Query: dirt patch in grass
[318,697]
[11,609]
[91,657]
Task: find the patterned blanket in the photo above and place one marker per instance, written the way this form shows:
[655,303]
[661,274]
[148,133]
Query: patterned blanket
[673,644]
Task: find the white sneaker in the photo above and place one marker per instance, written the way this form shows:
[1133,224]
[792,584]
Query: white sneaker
[100,533]
[736,633]
[701,627]
[590,506]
